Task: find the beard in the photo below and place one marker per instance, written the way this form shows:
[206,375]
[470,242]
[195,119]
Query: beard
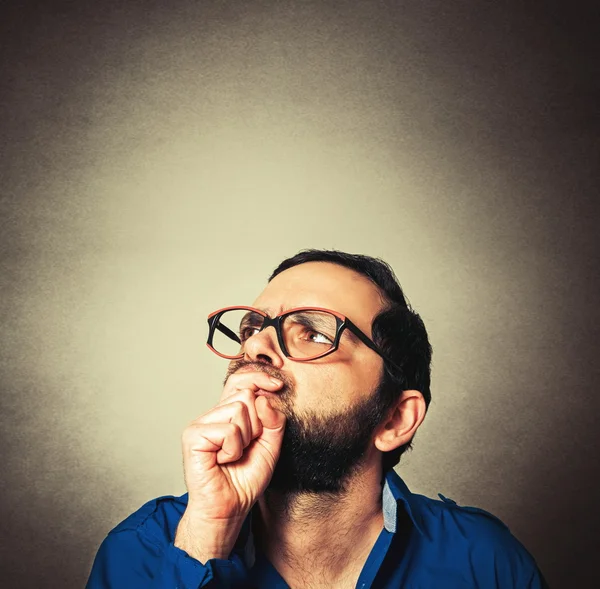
[321,453]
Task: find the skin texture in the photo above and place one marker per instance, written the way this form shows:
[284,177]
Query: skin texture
[231,451]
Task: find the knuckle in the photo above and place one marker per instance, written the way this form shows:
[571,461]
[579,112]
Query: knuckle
[232,429]
[234,378]
[239,406]
[188,435]
[248,397]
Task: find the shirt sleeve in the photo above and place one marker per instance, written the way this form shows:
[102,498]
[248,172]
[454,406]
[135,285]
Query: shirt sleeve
[128,559]
[537,581]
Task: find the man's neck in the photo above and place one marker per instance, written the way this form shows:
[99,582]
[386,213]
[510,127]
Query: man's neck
[316,540]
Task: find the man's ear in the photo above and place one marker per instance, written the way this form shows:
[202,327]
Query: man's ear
[402,422]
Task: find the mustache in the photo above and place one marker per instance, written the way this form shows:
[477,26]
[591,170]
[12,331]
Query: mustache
[268,369]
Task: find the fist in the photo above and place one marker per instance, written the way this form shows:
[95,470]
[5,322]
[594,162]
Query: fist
[229,453]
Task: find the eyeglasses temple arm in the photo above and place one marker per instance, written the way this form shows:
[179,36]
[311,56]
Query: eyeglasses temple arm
[227,332]
[370,344]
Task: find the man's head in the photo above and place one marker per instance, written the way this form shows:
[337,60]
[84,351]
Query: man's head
[346,406]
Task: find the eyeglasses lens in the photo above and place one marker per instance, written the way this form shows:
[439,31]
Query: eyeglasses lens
[305,333]
[309,333]
[233,328]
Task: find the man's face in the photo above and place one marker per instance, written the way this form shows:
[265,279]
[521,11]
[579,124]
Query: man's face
[331,403]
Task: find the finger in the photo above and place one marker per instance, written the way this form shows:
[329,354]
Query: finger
[228,409]
[248,397]
[273,422]
[254,381]
[206,443]
[232,448]
[236,411]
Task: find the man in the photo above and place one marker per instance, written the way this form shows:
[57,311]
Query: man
[290,477]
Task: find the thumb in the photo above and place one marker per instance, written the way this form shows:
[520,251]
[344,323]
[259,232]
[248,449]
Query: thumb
[273,422]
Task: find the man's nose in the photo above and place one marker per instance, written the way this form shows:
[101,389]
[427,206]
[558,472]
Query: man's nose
[263,347]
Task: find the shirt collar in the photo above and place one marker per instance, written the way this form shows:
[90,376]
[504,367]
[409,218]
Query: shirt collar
[395,494]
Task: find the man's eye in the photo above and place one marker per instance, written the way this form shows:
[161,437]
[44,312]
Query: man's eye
[318,338]
[248,332]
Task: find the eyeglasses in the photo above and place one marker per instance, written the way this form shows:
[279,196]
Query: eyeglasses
[303,333]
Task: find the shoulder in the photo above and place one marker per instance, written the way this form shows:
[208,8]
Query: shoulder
[157,519]
[447,516]
[475,539]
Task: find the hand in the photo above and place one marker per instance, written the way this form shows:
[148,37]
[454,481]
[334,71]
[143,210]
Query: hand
[229,455]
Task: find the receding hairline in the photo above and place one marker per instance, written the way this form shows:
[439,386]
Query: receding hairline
[386,302]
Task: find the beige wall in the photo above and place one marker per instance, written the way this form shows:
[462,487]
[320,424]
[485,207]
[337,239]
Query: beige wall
[158,163]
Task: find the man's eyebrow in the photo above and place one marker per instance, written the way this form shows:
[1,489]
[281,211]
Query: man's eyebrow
[312,319]
[250,316]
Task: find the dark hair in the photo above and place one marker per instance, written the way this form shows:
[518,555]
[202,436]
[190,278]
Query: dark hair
[397,330]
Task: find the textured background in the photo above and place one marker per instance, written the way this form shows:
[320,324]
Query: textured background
[159,159]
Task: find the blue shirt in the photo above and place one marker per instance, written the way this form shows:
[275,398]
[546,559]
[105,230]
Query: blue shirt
[424,544]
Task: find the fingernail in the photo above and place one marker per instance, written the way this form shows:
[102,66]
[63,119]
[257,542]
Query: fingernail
[275,380]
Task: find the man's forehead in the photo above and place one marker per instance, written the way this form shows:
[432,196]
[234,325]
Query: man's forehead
[321,284]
